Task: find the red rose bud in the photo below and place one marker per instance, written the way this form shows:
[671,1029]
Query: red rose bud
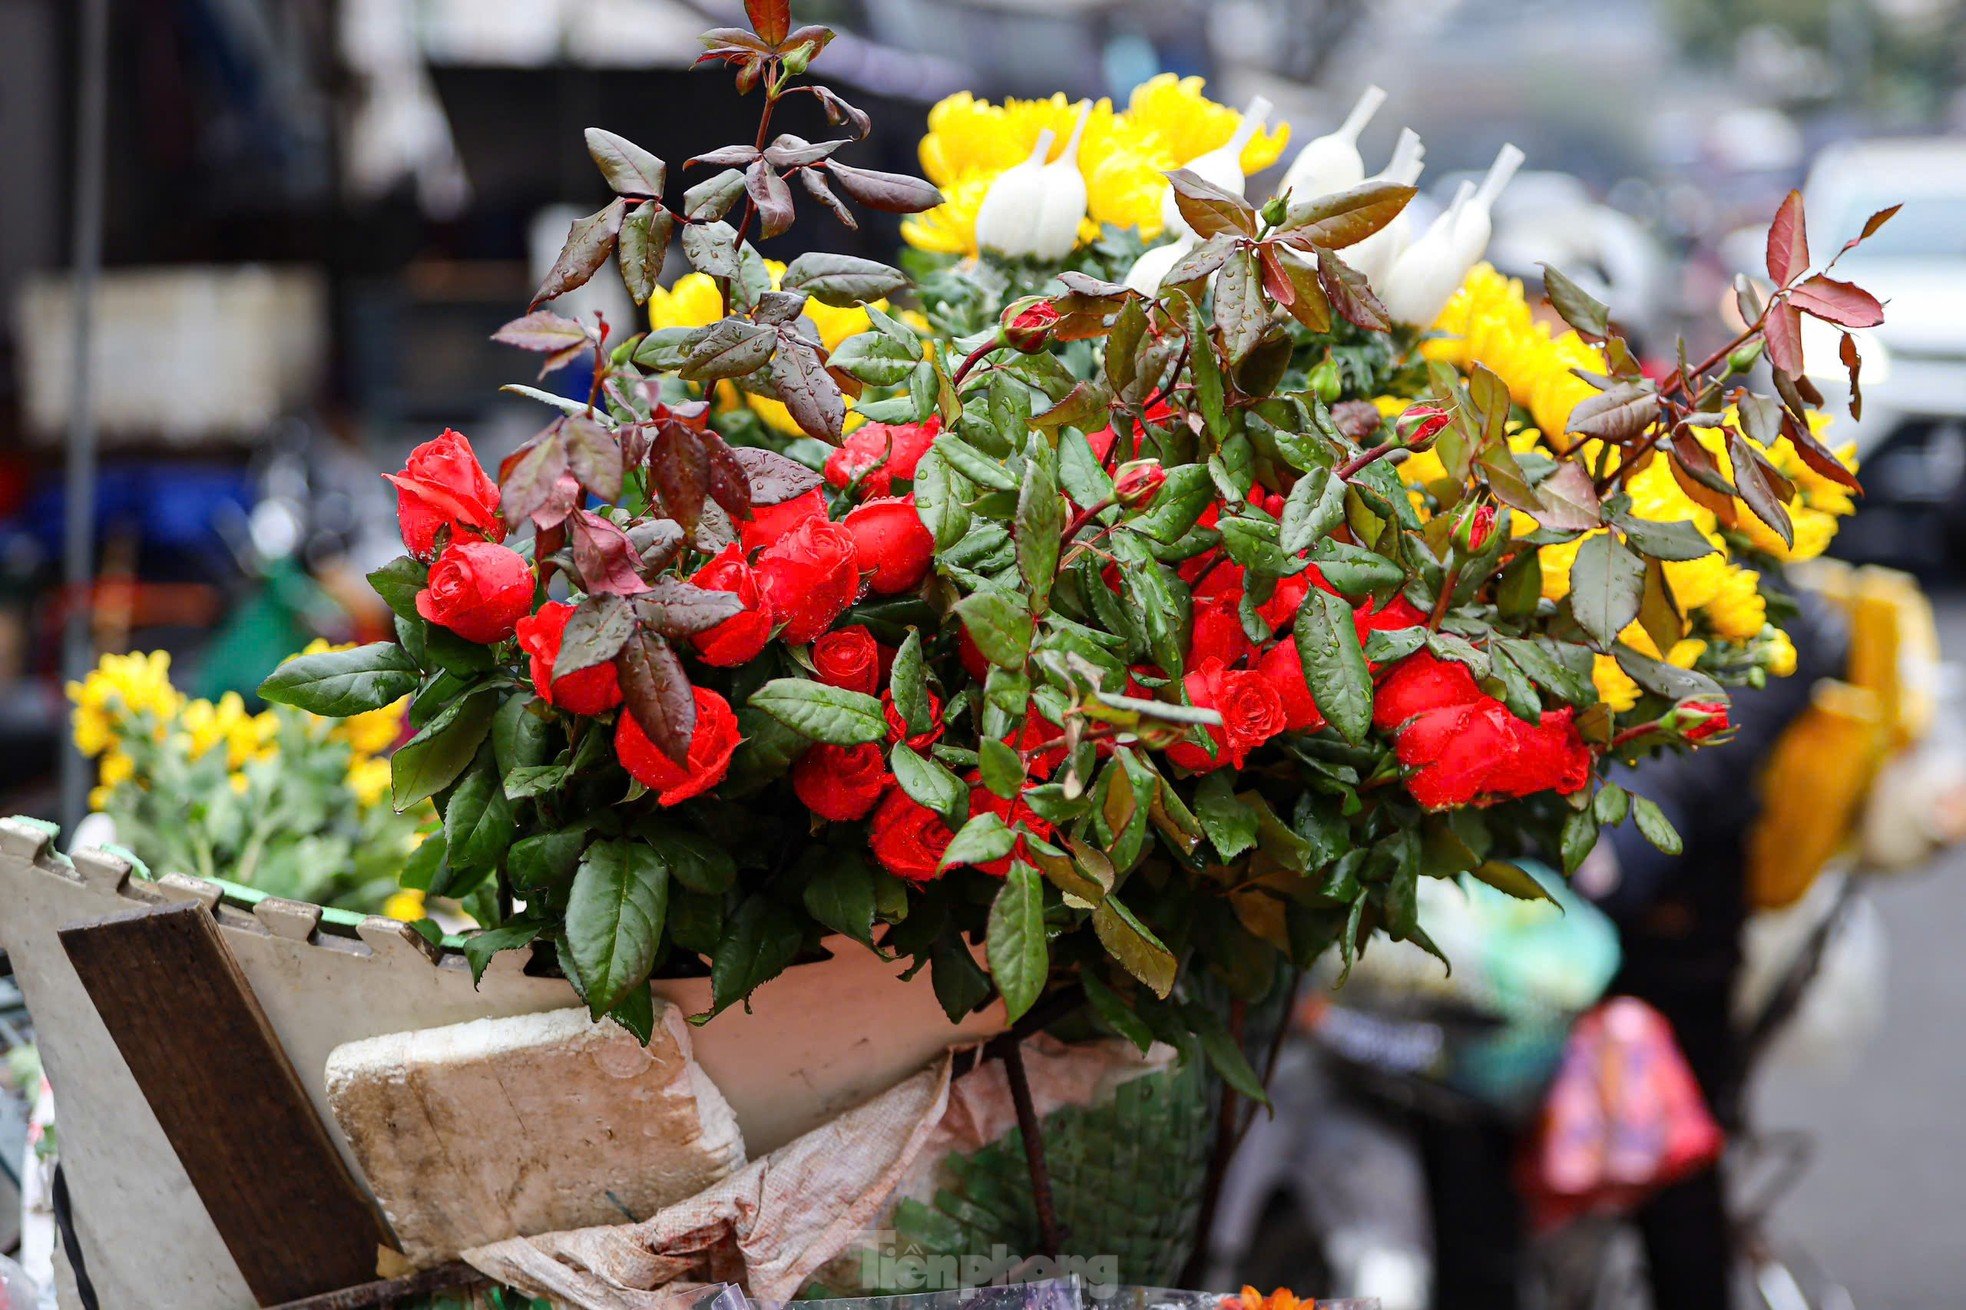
[1697,720]
[443,486]
[592,690]
[1419,425]
[710,749]
[840,782]
[1137,482]
[1473,525]
[478,590]
[739,638]
[849,658]
[908,838]
[1028,325]
[897,727]
[890,545]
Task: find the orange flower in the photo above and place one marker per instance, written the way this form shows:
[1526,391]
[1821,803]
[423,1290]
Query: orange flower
[1281,1299]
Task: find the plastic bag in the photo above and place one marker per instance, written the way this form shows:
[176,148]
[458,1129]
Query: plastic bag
[1623,1119]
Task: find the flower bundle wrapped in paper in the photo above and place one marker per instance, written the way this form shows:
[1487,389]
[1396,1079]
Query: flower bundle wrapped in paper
[1156,585]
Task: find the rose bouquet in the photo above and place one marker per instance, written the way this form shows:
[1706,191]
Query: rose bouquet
[1070,632]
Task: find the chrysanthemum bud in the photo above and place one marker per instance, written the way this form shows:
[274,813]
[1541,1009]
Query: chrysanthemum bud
[1138,481]
[1028,324]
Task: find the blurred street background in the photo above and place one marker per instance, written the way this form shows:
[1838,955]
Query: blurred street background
[317,211]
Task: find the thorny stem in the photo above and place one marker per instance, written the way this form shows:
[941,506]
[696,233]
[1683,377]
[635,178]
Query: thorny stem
[1084,517]
[600,365]
[1445,599]
[1351,467]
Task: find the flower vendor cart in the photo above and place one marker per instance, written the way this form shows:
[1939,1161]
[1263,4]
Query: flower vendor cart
[1053,648]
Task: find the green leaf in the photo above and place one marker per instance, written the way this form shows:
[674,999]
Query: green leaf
[1607,582]
[694,860]
[1334,664]
[1085,480]
[760,940]
[1207,375]
[1579,835]
[832,715]
[1611,804]
[1040,522]
[928,783]
[519,736]
[398,581]
[1315,508]
[1521,588]
[1513,880]
[875,358]
[841,896]
[430,761]
[841,280]
[1179,504]
[1127,940]
[1677,540]
[1002,768]
[974,464]
[545,859]
[1355,570]
[1019,960]
[1579,308]
[1658,829]
[909,685]
[479,947]
[1113,1013]
[338,683]
[1224,1055]
[478,821]
[999,625]
[636,1012]
[959,983]
[983,840]
[1230,825]
[529,780]
[615,913]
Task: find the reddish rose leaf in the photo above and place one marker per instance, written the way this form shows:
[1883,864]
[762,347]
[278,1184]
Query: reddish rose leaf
[1815,454]
[604,556]
[1842,303]
[1846,350]
[1567,501]
[814,182]
[563,500]
[526,478]
[808,392]
[730,485]
[599,627]
[1350,295]
[1311,307]
[767,189]
[593,457]
[542,331]
[640,249]
[1208,208]
[629,169]
[1788,241]
[1783,333]
[1276,282]
[678,609]
[1762,487]
[840,113]
[656,691]
[589,243]
[1617,414]
[1201,261]
[657,541]
[788,151]
[1697,471]
[891,193]
[681,472]
[1346,217]
[1871,224]
[774,479]
[770,19]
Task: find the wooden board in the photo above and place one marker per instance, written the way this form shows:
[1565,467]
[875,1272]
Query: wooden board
[197,1043]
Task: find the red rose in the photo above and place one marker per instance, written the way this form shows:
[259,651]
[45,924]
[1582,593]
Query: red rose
[710,749]
[1420,424]
[441,486]
[478,590]
[770,522]
[1419,683]
[1286,598]
[1251,711]
[1028,324]
[1217,633]
[1481,753]
[810,576]
[880,453]
[897,727]
[592,690]
[739,638]
[891,544]
[849,658]
[970,655]
[1283,669]
[908,839]
[840,782]
[1013,812]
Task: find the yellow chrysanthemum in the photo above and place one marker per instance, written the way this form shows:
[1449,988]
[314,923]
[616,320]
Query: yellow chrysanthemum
[1489,320]
[244,736]
[1777,653]
[1614,687]
[406,905]
[1738,612]
[369,780]
[1190,124]
[375,731]
[692,302]
[121,687]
